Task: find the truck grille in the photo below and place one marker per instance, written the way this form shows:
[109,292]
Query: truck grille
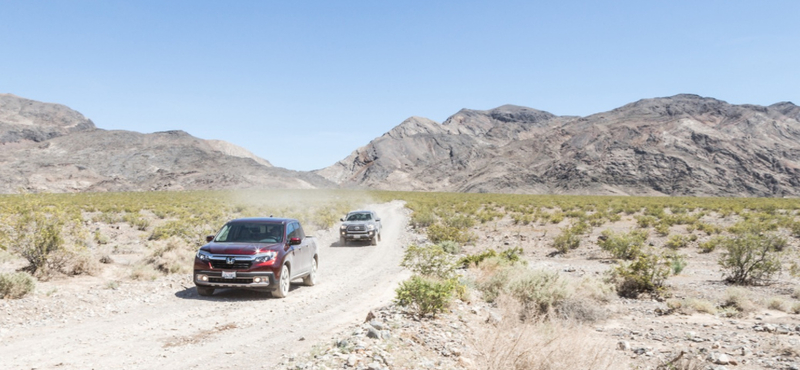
[356,228]
[238,265]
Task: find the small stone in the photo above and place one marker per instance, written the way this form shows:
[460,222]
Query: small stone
[623,345]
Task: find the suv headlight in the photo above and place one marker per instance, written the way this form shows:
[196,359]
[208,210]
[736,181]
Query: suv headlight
[203,256]
[370,227]
[269,256]
[343,227]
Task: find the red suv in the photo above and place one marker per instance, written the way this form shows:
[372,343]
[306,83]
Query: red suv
[256,253]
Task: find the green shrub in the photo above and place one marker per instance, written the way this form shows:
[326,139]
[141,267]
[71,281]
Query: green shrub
[645,221]
[751,259]
[646,274]
[36,236]
[429,261]
[438,233]
[711,244]
[625,245]
[16,285]
[507,257]
[662,229]
[476,259]
[422,218]
[450,246]
[425,295]
[676,241]
[676,263]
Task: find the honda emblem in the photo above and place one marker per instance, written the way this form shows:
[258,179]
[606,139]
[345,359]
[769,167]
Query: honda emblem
[230,260]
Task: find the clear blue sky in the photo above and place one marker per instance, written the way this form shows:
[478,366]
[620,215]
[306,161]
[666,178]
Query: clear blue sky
[304,83]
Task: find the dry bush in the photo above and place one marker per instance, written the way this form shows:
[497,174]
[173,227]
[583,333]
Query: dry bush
[795,308]
[688,306]
[796,293]
[16,285]
[542,345]
[172,257]
[737,300]
[777,303]
[143,271]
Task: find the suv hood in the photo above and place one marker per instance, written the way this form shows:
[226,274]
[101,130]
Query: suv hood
[239,248]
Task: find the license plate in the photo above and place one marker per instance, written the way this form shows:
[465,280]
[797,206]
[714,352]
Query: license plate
[229,274]
[357,236]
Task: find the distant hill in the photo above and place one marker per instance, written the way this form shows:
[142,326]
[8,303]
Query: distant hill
[50,148]
[679,145]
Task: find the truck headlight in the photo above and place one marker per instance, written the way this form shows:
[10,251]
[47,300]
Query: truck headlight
[370,227]
[269,256]
[203,256]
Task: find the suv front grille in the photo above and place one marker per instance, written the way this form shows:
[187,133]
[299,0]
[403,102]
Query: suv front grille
[356,228]
[238,265]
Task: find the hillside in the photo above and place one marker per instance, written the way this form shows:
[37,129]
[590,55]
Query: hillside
[679,145]
[51,148]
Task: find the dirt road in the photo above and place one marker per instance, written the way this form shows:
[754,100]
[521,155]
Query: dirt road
[166,325]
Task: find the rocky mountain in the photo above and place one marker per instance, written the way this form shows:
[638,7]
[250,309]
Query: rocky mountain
[679,145]
[49,147]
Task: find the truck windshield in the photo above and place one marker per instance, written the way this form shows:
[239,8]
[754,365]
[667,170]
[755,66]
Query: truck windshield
[359,217]
[250,232]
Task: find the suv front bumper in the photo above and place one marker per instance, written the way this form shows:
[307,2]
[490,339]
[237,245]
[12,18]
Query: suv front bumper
[243,280]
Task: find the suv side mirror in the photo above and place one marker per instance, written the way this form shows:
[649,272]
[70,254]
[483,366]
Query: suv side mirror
[209,238]
[294,241]
[378,219]
[341,219]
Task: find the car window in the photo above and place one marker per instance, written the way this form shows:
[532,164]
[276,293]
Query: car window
[296,231]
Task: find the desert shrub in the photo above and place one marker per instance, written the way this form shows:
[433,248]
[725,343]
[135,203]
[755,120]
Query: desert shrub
[624,245]
[709,229]
[676,241]
[737,301]
[676,263]
[795,228]
[422,218]
[450,246]
[476,259]
[438,233]
[459,221]
[691,305]
[425,295]
[662,229]
[494,282]
[144,271]
[429,260]
[136,220]
[16,285]
[506,257]
[645,221]
[751,258]
[539,292]
[570,237]
[777,303]
[711,244]
[646,274]
[100,238]
[172,257]
[36,236]
[796,293]
[795,309]
[556,217]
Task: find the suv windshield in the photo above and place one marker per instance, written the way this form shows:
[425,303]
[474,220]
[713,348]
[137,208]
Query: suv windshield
[250,232]
[359,217]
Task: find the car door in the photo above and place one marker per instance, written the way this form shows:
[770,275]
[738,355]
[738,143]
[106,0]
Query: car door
[300,262]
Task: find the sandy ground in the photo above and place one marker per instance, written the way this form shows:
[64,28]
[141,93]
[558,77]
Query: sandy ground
[88,323]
